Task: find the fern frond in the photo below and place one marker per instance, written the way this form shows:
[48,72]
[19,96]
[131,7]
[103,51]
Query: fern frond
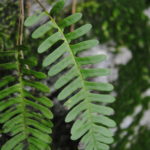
[25,117]
[87,109]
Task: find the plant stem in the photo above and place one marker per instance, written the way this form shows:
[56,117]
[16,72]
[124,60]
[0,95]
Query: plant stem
[21,26]
[74,3]
[28,5]
[41,5]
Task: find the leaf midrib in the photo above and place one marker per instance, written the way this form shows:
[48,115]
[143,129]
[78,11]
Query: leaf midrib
[20,79]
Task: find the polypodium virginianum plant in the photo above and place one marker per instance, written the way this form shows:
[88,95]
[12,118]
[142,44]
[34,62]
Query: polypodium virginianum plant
[25,117]
[87,106]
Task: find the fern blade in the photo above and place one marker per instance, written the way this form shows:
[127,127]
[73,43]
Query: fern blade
[70,20]
[60,66]
[94,72]
[90,59]
[32,20]
[51,58]
[68,90]
[82,46]
[39,32]
[78,32]
[49,42]
[66,78]
[10,144]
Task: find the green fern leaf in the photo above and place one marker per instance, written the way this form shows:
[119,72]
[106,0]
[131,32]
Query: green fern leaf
[39,32]
[26,118]
[9,66]
[86,108]
[70,20]
[6,80]
[49,42]
[94,72]
[36,74]
[79,47]
[51,58]
[78,32]
[14,141]
[32,20]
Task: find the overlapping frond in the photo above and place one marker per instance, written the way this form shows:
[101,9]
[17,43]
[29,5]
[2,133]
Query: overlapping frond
[87,107]
[25,115]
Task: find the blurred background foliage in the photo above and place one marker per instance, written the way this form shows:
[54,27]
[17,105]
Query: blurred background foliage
[8,24]
[121,22]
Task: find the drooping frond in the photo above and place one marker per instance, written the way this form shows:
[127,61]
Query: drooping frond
[87,108]
[24,114]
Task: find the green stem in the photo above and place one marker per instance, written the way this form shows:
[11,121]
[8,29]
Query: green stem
[20,55]
[41,5]
[22,103]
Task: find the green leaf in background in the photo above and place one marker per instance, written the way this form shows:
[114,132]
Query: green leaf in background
[20,95]
[58,6]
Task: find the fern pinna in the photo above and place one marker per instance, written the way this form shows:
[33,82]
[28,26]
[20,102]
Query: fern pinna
[24,116]
[87,108]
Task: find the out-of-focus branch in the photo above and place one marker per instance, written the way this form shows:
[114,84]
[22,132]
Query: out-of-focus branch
[41,5]
[21,29]
[28,6]
[74,4]
[21,25]
[22,22]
